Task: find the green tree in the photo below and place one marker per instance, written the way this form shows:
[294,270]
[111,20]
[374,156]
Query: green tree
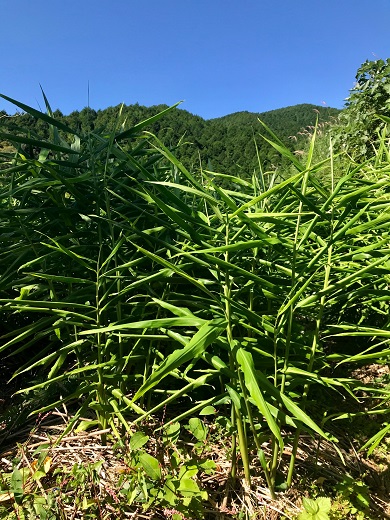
[359,127]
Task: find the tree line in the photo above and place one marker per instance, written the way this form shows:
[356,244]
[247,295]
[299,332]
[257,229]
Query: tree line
[231,144]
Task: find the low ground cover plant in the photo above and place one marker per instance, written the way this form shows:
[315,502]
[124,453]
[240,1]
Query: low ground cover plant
[132,288]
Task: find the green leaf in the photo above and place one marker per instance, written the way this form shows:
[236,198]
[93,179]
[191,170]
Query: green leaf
[321,515]
[63,279]
[16,486]
[293,408]
[86,425]
[315,509]
[310,505]
[262,459]
[140,126]
[375,440]
[198,429]
[208,410]
[177,270]
[188,189]
[324,504]
[246,361]
[234,396]
[40,115]
[173,160]
[137,440]
[238,246]
[188,470]
[188,487]
[151,466]
[38,475]
[37,143]
[208,333]
[172,432]
[187,321]
[170,490]
[208,466]
[179,311]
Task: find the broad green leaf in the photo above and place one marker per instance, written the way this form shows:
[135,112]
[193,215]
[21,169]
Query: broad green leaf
[208,466]
[172,432]
[198,428]
[310,505]
[151,466]
[188,470]
[137,440]
[86,425]
[17,481]
[234,396]
[208,410]
[188,487]
[324,504]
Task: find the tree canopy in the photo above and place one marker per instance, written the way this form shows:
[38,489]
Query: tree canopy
[226,144]
[359,125]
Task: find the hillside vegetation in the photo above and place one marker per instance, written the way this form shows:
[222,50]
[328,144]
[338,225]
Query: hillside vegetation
[227,144]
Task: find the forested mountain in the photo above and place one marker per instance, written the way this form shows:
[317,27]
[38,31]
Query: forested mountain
[225,144]
[234,134]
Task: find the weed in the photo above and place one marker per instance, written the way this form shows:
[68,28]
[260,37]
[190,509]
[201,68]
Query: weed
[317,509]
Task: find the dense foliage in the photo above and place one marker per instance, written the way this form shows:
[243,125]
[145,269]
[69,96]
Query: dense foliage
[133,287]
[360,127]
[227,144]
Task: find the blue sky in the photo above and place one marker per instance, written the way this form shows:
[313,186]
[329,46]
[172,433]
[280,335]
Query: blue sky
[219,56]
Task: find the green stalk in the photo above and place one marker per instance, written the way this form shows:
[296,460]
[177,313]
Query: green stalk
[315,343]
[118,306]
[236,416]
[100,289]
[293,285]
[101,395]
[288,323]
[248,405]
[313,352]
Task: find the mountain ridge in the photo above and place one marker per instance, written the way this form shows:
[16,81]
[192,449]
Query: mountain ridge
[227,143]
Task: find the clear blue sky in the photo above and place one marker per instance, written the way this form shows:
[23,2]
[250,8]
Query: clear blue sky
[219,56]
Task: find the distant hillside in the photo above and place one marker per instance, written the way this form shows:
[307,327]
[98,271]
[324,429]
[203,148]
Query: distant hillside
[283,121]
[225,144]
[237,131]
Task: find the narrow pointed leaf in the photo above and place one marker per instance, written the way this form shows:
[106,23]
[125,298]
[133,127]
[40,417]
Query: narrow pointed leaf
[246,361]
[208,333]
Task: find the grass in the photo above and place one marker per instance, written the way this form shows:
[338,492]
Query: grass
[131,286]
